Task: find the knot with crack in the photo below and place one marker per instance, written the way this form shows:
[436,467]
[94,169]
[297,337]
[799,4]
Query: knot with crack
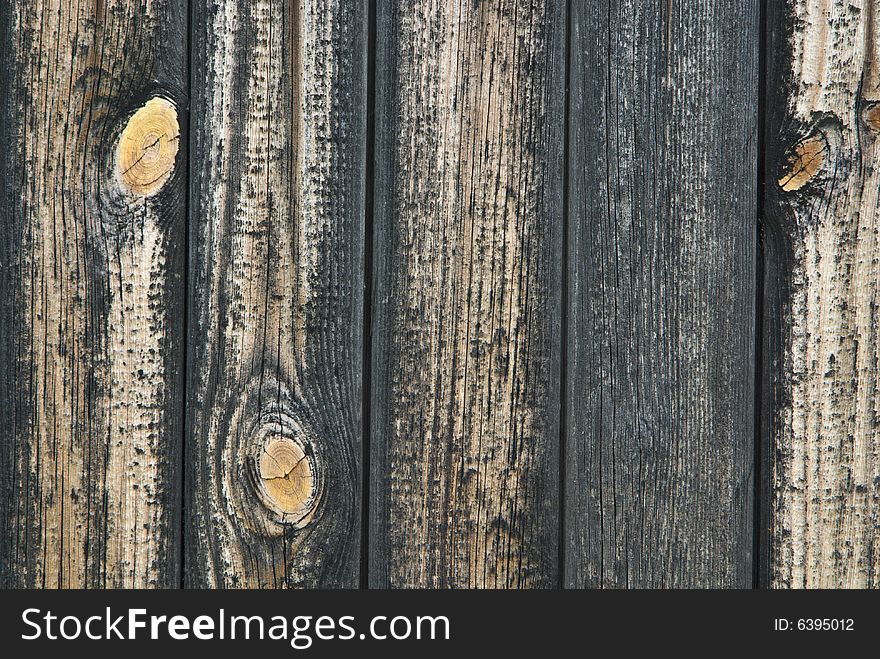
[285,469]
[147,147]
[287,476]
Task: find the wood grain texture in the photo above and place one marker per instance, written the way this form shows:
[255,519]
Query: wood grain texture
[92,291]
[274,381]
[823,285]
[466,331]
[661,269]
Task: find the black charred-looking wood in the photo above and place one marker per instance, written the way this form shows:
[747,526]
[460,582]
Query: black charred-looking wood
[661,269]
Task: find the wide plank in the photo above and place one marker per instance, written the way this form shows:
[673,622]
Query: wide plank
[660,384]
[275,292]
[92,235]
[467,295]
[822,286]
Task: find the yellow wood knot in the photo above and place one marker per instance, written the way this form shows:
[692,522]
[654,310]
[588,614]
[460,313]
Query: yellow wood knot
[803,162]
[148,147]
[288,478]
[872,117]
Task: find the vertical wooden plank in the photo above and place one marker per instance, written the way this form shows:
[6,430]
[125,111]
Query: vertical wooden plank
[277,200]
[92,183]
[662,204]
[466,349]
[823,282]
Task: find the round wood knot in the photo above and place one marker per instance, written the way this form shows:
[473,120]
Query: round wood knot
[287,477]
[148,147]
[804,161]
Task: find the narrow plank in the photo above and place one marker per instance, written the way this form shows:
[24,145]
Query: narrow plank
[823,284]
[466,332]
[92,208]
[277,224]
[661,265]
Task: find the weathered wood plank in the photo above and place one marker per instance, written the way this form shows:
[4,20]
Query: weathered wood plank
[92,183]
[274,382]
[466,331]
[822,284]
[661,269]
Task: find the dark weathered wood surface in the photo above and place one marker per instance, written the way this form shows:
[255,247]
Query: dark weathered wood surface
[823,282]
[92,173]
[466,331]
[661,284]
[558,220]
[277,197]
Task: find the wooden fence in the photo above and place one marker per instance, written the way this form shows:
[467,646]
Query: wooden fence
[510,293]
